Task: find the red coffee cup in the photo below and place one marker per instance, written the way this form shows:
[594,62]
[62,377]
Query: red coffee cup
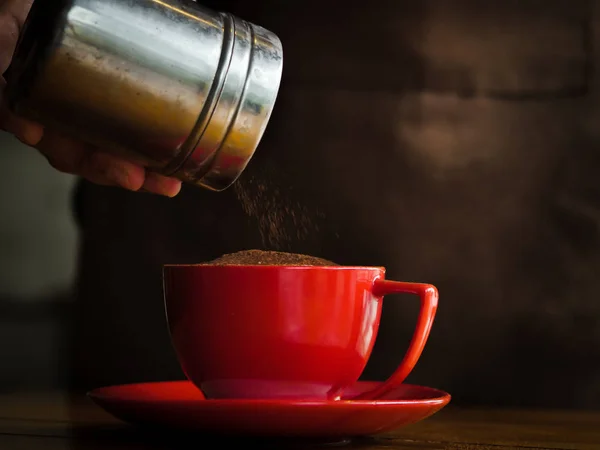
[293,332]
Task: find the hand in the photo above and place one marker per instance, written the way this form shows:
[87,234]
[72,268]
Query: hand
[65,154]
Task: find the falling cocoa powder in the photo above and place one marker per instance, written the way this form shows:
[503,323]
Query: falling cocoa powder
[265,196]
[269,258]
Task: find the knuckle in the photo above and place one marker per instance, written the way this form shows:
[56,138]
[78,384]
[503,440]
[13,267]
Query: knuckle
[97,164]
[96,167]
[60,164]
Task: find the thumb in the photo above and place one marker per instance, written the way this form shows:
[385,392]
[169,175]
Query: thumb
[12,16]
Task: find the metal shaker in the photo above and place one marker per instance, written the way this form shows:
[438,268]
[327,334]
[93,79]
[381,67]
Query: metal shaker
[180,89]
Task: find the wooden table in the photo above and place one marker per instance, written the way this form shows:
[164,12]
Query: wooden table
[56,422]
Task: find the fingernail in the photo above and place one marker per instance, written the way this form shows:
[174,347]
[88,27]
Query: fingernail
[175,189]
[161,185]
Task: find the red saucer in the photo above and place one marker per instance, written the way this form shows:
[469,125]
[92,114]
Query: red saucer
[180,405]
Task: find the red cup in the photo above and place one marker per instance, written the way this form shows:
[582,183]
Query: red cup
[287,332]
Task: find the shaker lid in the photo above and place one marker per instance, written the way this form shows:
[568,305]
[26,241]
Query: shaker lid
[234,122]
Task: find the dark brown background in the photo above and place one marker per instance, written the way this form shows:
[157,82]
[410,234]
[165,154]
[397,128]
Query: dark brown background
[454,142]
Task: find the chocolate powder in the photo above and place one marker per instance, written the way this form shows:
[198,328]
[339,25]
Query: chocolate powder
[266,196]
[269,258]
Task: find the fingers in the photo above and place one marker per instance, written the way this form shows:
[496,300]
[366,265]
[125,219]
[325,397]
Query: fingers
[73,157]
[70,156]
[27,132]
[159,184]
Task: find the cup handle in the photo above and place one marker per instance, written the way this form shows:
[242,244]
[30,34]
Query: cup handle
[428,295]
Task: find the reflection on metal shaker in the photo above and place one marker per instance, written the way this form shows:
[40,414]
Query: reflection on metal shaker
[169,84]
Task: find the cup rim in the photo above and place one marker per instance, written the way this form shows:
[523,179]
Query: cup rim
[271,266]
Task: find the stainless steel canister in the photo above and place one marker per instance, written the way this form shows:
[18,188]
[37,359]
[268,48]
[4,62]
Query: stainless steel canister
[169,84]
